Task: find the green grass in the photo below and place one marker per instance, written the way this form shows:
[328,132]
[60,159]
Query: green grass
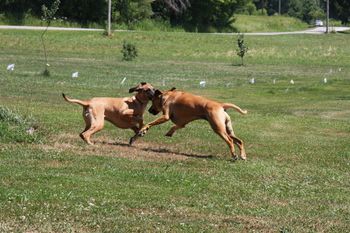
[243,23]
[260,23]
[296,178]
[29,20]
[144,25]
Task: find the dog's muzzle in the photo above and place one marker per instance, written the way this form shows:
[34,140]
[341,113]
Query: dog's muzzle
[150,94]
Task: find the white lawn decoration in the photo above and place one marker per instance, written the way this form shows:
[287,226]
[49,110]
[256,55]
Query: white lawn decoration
[11,67]
[75,75]
[274,81]
[252,81]
[202,83]
[292,82]
[325,80]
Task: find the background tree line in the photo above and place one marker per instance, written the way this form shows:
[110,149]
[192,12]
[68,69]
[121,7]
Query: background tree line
[200,15]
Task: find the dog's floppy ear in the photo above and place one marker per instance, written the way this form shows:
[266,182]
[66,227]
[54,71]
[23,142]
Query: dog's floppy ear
[143,83]
[137,88]
[132,89]
[157,93]
[173,89]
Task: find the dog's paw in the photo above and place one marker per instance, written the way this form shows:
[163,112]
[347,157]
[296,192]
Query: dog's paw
[143,131]
[132,140]
[234,158]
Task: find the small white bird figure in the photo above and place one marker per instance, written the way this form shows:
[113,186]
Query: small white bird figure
[252,81]
[339,69]
[292,81]
[11,67]
[202,83]
[122,82]
[75,75]
[325,80]
[274,81]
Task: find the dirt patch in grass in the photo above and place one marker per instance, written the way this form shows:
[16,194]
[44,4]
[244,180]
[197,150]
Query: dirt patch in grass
[215,221]
[337,115]
[105,147]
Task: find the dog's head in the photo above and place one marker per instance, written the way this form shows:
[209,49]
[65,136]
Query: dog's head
[157,103]
[144,89]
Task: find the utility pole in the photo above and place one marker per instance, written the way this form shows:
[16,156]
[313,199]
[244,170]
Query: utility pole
[109,16]
[327,19]
[279,7]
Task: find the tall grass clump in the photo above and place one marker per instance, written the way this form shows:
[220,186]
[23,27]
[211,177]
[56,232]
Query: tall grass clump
[16,128]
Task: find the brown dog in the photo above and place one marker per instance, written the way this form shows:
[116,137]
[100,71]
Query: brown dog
[182,108]
[125,113]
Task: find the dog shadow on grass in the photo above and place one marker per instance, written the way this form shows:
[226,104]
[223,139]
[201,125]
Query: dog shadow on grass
[167,151]
[164,151]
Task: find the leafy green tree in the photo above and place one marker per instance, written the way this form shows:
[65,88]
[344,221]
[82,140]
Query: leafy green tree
[208,15]
[311,11]
[131,11]
[295,8]
[340,9]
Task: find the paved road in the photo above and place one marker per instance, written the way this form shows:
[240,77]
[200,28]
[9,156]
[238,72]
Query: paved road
[316,30]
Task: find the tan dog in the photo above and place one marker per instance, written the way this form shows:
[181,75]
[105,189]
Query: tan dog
[125,113]
[182,108]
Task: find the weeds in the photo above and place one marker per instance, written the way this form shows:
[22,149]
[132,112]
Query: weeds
[16,128]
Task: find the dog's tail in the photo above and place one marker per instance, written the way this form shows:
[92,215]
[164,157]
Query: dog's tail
[76,101]
[238,109]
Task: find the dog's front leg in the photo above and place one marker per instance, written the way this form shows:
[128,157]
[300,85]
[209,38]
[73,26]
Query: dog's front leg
[158,121]
[145,128]
[136,129]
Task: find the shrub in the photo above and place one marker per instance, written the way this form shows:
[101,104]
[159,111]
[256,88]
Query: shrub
[251,9]
[129,51]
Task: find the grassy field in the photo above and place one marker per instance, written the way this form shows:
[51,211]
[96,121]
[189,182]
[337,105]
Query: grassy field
[243,23]
[261,23]
[296,178]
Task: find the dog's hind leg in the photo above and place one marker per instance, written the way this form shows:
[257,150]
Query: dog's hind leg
[173,129]
[87,119]
[235,139]
[218,125]
[96,124]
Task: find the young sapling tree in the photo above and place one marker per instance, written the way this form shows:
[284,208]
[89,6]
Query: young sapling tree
[242,48]
[47,17]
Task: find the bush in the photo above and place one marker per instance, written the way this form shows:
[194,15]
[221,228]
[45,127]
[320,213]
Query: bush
[15,128]
[129,51]
[251,8]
